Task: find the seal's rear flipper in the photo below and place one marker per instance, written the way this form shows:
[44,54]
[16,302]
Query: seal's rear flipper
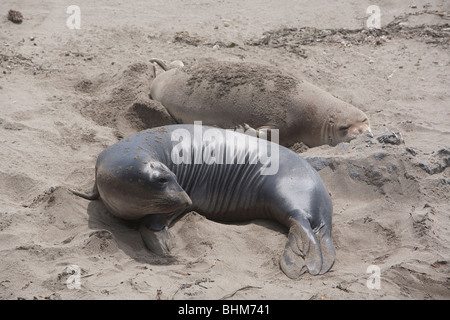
[154,73]
[94,195]
[164,65]
[302,250]
[327,248]
[160,62]
[292,262]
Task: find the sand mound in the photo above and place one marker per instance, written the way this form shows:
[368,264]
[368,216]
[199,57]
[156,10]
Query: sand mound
[122,101]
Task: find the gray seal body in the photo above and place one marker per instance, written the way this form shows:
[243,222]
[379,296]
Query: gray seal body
[160,173]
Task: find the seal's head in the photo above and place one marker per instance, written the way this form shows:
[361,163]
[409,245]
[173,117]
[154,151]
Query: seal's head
[345,127]
[166,195]
[136,191]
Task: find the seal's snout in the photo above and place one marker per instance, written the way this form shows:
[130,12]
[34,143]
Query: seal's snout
[179,195]
[365,129]
[359,129]
[185,200]
[188,201]
[179,199]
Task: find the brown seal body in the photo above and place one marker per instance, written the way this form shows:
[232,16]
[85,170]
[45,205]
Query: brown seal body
[230,94]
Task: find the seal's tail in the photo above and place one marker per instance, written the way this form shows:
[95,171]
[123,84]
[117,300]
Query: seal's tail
[94,195]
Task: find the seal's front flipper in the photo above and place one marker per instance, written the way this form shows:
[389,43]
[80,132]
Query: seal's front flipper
[158,242]
[302,251]
[264,132]
[246,129]
[155,234]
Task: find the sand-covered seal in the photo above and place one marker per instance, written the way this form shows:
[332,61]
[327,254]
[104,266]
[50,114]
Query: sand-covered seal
[231,94]
[160,173]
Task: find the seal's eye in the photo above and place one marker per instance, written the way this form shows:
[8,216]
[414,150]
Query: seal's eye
[342,128]
[162,181]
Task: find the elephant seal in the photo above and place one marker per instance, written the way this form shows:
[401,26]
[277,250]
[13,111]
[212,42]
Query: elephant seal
[160,173]
[230,94]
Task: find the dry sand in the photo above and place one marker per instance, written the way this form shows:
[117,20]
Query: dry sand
[65,95]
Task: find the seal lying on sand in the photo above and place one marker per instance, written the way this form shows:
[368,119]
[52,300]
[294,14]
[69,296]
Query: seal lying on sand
[160,173]
[233,94]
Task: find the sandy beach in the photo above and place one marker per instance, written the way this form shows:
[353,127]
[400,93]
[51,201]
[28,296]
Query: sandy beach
[67,93]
